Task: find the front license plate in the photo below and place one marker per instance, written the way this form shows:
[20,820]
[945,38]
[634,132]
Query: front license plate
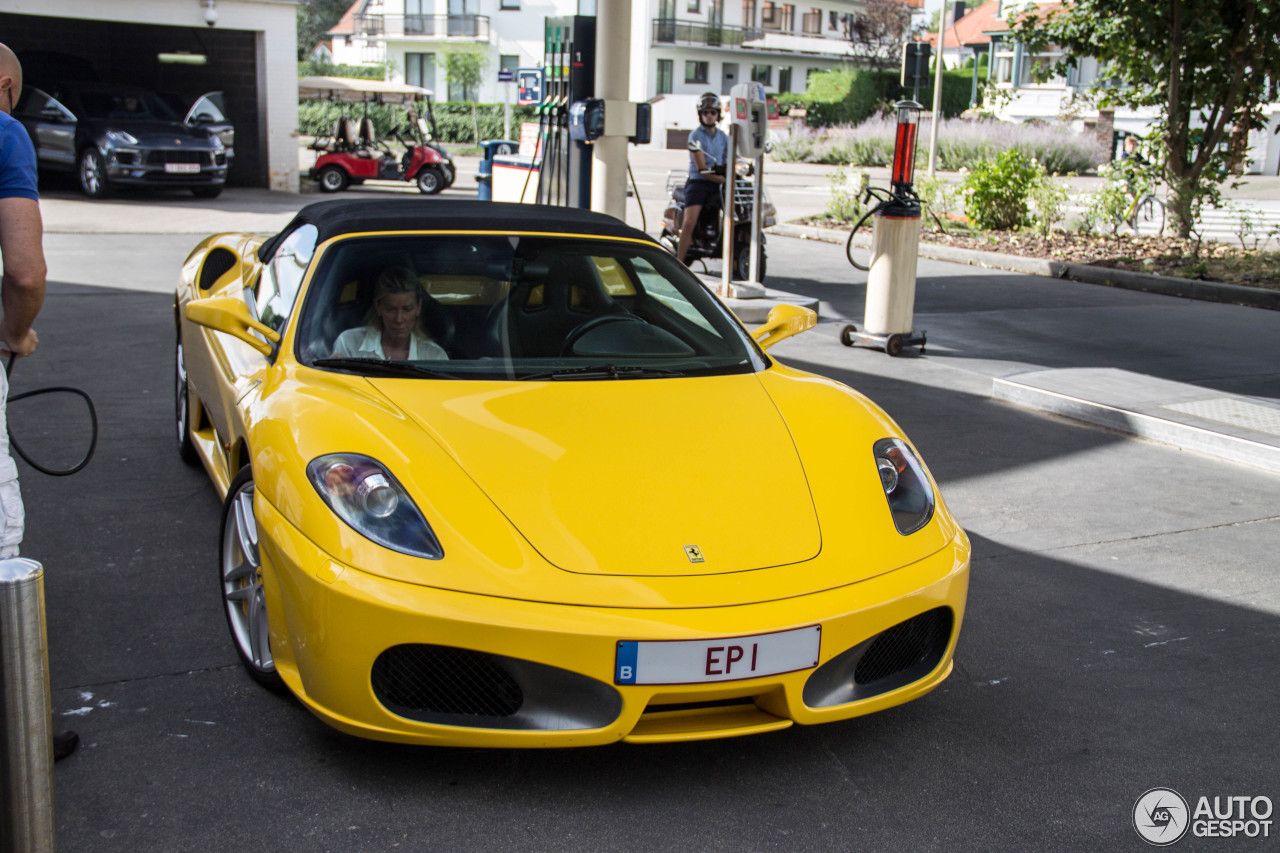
[182,168]
[720,659]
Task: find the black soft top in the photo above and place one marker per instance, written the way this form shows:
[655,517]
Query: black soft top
[334,218]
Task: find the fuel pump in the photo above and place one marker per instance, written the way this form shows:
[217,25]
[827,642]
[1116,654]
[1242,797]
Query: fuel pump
[748,131]
[895,243]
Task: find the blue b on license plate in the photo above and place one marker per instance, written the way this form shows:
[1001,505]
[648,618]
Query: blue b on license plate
[719,659]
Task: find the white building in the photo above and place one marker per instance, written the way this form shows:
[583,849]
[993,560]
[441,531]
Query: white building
[413,37]
[679,48]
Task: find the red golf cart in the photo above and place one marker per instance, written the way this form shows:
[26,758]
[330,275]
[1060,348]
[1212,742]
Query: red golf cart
[352,154]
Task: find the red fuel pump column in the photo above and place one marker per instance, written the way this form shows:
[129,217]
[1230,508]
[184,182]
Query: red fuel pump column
[895,241]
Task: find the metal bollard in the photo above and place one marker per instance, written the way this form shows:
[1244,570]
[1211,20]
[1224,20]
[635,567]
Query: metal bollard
[26,738]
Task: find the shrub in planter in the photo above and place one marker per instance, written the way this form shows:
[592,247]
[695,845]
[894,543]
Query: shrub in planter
[996,193]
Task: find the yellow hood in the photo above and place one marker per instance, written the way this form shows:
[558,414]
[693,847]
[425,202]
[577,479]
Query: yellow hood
[630,477]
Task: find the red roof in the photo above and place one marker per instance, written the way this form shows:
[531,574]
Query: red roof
[347,23]
[972,28]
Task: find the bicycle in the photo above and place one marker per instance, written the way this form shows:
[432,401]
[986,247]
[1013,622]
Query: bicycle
[1146,215]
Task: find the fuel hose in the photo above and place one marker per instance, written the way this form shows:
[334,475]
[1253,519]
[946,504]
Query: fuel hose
[55,389]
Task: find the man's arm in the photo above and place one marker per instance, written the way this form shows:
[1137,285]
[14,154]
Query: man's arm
[22,287]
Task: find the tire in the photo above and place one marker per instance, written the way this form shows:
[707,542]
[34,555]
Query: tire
[206,192]
[1149,217]
[742,261]
[182,405]
[240,580]
[893,346]
[847,335]
[430,181]
[92,174]
[333,179]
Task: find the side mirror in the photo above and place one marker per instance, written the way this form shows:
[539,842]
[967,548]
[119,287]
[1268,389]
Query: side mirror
[784,321]
[229,314]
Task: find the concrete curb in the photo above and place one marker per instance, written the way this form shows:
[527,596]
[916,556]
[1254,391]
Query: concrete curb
[1207,291]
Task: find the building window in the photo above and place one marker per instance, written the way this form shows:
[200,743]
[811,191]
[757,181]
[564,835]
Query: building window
[694,71]
[695,6]
[778,17]
[749,14]
[1002,62]
[665,74]
[509,4]
[762,74]
[833,20]
[784,79]
[812,22]
[420,70]
[1032,62]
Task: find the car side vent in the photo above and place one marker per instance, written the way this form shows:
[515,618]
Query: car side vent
[904,645]
[216,265]
[414,679]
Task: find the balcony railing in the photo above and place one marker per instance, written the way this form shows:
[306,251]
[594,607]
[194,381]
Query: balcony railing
[428,26]
[675,31]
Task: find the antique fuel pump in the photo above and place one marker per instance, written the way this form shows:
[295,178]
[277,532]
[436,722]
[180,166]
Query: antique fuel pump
[895,241]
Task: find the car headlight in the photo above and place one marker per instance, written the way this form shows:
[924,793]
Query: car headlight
[217,142]
[365,495]
[121,137]
[906,486]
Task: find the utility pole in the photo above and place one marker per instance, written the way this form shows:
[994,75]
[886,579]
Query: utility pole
[937,86]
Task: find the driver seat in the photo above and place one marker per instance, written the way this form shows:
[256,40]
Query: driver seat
[548,302]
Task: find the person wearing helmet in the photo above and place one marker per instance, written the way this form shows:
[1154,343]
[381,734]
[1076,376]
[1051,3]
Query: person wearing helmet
[708,149]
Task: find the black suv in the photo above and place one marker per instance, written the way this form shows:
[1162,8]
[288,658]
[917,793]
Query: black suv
[120,136]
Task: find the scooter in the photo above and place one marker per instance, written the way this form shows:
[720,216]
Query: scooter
[351,154]
[706,243]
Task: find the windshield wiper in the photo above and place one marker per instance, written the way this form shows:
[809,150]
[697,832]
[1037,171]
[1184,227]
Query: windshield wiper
[605,371]
[382,367]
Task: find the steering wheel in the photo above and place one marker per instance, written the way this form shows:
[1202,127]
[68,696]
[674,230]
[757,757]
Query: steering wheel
[593,324]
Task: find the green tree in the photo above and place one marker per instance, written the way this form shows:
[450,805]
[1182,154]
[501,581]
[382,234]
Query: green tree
[463,70]
[315,18]
[878,32]
[1209,66]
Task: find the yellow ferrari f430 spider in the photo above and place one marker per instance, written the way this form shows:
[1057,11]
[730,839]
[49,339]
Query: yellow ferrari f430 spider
[510,475]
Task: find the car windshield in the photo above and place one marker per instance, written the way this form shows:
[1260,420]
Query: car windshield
[122,104]
[438,306]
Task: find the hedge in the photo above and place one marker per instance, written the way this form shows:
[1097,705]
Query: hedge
[453,119]
[849,96]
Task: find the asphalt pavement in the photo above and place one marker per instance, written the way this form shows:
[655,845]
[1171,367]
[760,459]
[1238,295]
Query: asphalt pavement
[1122,634]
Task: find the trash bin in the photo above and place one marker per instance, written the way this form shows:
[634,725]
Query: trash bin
[484,173]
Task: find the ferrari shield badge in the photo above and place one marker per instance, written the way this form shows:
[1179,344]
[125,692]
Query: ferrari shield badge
[694,553]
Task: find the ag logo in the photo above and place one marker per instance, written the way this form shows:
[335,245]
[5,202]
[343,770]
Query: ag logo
[1161,817]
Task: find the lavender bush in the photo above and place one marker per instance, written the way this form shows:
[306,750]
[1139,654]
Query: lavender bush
[961,144]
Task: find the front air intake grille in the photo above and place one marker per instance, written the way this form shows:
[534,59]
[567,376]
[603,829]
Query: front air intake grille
[903,646]
[417,680]
[895,657]
[161,156]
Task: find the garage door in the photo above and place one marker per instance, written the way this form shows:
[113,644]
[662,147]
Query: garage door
[184,61]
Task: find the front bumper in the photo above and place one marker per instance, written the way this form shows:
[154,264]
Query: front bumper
[333,626]
[156,167]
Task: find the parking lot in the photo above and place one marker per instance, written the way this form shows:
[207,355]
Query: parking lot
[1122,633]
